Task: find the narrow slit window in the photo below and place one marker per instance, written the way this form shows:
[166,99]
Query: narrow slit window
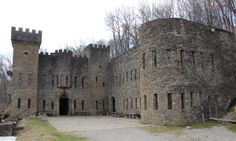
[143,60]
[57,81]
[19,103]
[44,80]
[131,103]
[169,99]
[127,103]
[52,105]
[155,101]
[169,56]
[75,81]
[182,100]
[154,58]
[136,103]
[44,104]
[103,105]
[82,105]
[75,104]
[135,74]
[96,105]
[82,82]
[29,103]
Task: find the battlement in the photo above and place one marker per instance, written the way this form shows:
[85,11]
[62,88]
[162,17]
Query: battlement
[98,46]
[26,35]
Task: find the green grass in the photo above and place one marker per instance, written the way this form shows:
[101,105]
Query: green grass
[231,127]
[178,128]
[38,130]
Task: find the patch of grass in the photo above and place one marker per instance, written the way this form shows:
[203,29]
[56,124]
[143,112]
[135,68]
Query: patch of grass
[38,130]
[164,129]
[231,127]
[177,128]
[207,124]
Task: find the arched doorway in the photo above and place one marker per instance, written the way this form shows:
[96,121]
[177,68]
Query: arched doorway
[113,104]
[64,105]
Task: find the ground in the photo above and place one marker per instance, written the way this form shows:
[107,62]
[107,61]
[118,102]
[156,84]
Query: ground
[107,128]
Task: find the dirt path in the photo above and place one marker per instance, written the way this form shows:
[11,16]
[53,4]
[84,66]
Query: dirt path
[123,129]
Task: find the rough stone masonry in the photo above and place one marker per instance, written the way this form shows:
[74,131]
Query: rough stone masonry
[181,71]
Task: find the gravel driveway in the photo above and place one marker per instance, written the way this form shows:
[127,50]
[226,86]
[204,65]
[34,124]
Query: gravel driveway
[122,129]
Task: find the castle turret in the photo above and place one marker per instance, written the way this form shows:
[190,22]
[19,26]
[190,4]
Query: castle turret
[25,70]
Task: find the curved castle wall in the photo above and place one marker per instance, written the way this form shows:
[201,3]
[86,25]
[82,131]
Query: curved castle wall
[191,63]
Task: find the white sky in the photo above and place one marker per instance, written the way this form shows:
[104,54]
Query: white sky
[62,21]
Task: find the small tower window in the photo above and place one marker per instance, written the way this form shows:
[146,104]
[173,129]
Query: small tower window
[29,103]
[19,103]
[145,102]
[82,105]
[154,58]
[182,100]
[74,104]
[143,60]
[169,100]
[44,104]
[26,54]
[52,105]
[82,82]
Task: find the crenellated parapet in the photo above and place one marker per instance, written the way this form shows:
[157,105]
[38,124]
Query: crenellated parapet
[26,35]
[95,46]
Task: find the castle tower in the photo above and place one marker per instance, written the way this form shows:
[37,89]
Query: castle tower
[25,71]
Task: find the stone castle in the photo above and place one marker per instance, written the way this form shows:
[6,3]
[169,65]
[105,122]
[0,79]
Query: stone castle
[181,72]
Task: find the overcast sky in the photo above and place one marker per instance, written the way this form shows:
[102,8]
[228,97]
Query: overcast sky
[62,21]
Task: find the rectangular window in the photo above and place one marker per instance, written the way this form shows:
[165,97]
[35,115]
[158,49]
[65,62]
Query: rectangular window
[127,76]
[57,81]
[154,58]
[140,103]
[96,105]
[52,80]
[145,102]
[44,104]
[136,103]
[103,105]
[74,104]
[82,82]
[75,81]
[123,103]
[127,103]
[82,107]
[191,99]
[20,79]
[19,103]
[135,74]
[29,103]
[52,105]
[62,80]
[103,84]
[144,60]
[182,100]
[169,56]
[131,74]
[169,99]
[131,103]
[29,79]
[181,57]
[155,101]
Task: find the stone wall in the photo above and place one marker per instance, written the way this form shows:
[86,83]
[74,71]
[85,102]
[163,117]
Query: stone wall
[190,60]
